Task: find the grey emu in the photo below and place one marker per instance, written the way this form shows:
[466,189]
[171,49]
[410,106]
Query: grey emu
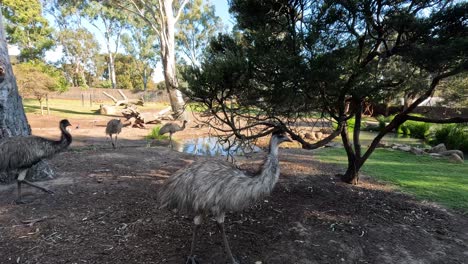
[215,186]
[114,127]
[22,152]
[171,128]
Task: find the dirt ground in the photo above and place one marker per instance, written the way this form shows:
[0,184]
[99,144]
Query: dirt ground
[104,210]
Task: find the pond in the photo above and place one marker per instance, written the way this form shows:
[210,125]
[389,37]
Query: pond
[209,146]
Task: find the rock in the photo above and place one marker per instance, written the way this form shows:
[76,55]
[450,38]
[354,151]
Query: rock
[417,151]
[451,152]
[435,155]
[439,148]
[318,135]
[382,145]
[405,148]
[455,158]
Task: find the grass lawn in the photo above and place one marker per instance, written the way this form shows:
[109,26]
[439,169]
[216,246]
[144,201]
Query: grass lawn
[436,180]
[73,108]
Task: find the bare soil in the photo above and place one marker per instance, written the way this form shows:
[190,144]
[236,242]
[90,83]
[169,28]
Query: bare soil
[104,210]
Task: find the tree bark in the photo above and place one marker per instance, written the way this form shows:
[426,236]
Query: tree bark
[13,120]
[167,39]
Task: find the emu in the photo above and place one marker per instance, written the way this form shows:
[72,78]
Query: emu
[114,127]
[214,186]
[22,152]
[171,128]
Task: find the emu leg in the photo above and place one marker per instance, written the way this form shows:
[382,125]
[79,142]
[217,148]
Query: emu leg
[115,140]
[19,180]
[197,220]
[170,140]
[37,186]
[112,141]
[220,221]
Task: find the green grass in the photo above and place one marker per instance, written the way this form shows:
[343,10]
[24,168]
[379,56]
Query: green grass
[154,134]
[427,178]
[74,109]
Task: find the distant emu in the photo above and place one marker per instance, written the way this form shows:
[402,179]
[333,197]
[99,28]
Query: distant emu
[114,127]
[215,186]
[23,152]
[171,128]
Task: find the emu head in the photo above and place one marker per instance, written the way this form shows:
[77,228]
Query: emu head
[64,123]
[279,137]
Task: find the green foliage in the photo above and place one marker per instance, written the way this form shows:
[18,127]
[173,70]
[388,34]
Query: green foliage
[455,92]
[38,79]
[154,134]
[27,27]
[404,129]
[80,49]
[416,129]
[197,25]
[382,121]
[427,178]
[453,136]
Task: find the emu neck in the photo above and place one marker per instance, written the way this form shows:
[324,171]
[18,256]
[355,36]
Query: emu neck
[269,174]
[65,139]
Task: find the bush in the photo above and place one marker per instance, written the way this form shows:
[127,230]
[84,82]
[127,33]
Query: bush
[154,134]
[382,121]
[417,129]
[404,129]
[453,136]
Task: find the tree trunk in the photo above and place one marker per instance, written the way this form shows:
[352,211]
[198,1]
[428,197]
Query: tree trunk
[352,173]
[13,120]
[111,68]
[167,39]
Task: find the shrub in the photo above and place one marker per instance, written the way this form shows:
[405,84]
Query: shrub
[417,129]
[404,129]
[453,136]
[154,134]
[382,121]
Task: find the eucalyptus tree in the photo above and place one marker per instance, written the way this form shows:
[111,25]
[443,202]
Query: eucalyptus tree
[110,22]
[198,24]
[142,46]
[80,48]
[28,28]
[161,17]
[292,58]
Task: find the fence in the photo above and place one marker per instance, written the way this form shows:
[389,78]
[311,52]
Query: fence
[96,95]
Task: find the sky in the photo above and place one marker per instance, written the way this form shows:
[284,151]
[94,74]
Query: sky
[221,8]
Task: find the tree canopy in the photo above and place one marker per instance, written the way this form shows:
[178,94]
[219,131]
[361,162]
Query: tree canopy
[290,59]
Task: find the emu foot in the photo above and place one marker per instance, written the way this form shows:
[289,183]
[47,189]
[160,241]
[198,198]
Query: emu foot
[49,191]
[20,201]
[192,260]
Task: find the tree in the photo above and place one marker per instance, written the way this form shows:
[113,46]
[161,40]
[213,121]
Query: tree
[161,16]
[198,24]
[292,58]
[140,44]
[110,23]
[13,120]
[27,28]
[80,48]
[456,93]
[39,80]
